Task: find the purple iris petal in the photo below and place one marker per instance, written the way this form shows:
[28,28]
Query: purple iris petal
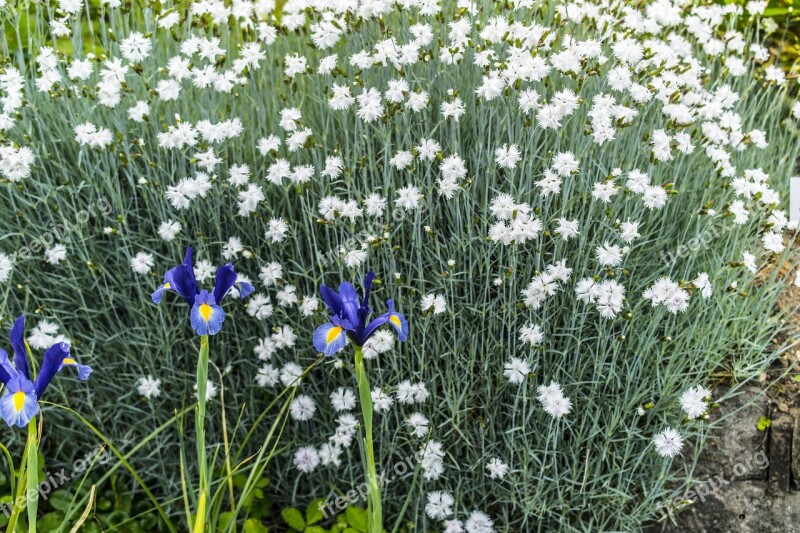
[331,299]
[350,305]
[244,288]
[226,278]
[7,372]
[53,360]
[206,317]
[375,324]
[19,405]
[17,337]
[183,277]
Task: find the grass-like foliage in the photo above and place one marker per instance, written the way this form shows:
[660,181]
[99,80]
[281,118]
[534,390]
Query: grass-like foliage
[584,193]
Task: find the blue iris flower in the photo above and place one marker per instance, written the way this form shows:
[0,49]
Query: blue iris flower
[206,314]
[21,400]
[349,318]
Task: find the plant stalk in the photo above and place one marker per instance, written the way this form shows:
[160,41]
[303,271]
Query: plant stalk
[374,512]
[200,429]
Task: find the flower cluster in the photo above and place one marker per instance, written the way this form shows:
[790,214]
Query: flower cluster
[548,151]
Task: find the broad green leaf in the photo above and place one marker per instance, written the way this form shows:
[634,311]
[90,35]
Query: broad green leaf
[224,520]
[313,511]
[357,518]
[294,518]
[254,526]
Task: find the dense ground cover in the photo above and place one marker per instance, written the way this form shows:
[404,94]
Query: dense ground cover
[579,193]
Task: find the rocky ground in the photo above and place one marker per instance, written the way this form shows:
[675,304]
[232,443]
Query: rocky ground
[750,479]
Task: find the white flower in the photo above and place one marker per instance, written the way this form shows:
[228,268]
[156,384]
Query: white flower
[44,335]
[138,111]
[306,459]
[630,231]
[259,306]
[149,387]
[381,401]
[439,505]
[497,469]
[749,261]
[56,254]
[531,334]
[211,390]
[773,242]
[135,47]
[704,284]
[431,459]
[343,399]
[291,374]
[409,393]
[302,408]
[553,400]
[507,156]
[435,302]
[270,274]
[6,266]
[142,263]
[267,376]
[408,197]
[567,229]
[668,443]
[609,255]
[516,370]
[169,230]
[453,526]
[418,424]
[380,342]
[329,454]
[693,401]
[276,230]
[479,522]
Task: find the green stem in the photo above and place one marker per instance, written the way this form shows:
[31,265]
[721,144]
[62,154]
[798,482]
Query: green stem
[373,490]
[32,499]
[200,419]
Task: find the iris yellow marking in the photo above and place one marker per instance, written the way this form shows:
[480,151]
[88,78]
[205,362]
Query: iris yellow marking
[205,311]
[333,333]
[68,361]
[396,321]
[19,400]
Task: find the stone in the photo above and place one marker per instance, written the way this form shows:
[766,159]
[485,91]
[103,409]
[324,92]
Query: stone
[742,506]
[733,443]
[780,452]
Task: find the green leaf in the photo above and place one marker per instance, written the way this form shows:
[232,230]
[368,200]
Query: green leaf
[294,518]
[314,511]
[224,520]
[357,518]
[254,526]
[772,12]
[60,500]
[315,529]
[50,521]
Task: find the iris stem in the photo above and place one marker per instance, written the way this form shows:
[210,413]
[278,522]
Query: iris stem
[373,490]
[33,474]
[200,429]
